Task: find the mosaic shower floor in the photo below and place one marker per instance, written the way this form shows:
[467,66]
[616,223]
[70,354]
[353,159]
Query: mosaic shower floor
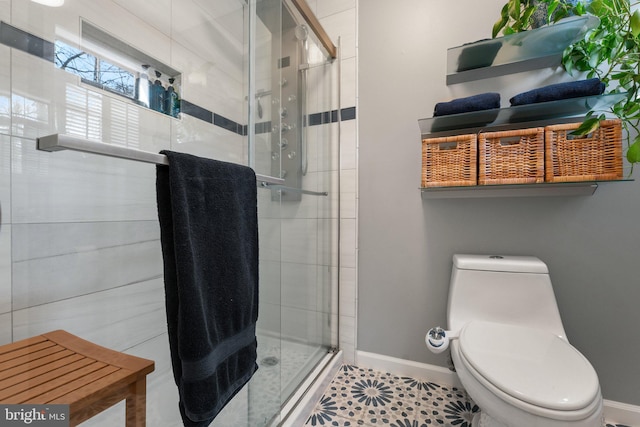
[364,397]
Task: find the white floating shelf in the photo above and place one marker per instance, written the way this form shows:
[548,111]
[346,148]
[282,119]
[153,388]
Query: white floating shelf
[558,189]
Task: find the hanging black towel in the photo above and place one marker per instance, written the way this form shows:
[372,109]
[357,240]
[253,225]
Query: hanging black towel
[209,234]
[555,92]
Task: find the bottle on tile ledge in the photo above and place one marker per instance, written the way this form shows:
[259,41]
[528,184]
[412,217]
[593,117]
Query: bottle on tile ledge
[171,100]
[143,86]
[156,97]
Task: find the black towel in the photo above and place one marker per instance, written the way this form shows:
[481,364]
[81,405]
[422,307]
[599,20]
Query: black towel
[209,234]
[555,92]
[483,101]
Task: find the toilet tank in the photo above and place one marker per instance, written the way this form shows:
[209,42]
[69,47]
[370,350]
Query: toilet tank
[513,290]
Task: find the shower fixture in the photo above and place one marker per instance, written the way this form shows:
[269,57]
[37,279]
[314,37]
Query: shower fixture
[302,32]
[289,110]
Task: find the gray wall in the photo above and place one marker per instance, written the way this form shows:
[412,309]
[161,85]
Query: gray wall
[591,244]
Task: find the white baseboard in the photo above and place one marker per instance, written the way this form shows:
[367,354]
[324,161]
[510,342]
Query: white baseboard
[621,413]
[380,362]
[614,412]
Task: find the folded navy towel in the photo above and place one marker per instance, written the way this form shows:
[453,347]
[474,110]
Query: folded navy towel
[209,235]
[483,101]
[478,54]
[555,92]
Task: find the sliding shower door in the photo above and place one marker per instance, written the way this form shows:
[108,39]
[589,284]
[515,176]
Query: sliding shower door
[294,139]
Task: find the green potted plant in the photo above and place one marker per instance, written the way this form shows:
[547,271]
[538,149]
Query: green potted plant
[610,52]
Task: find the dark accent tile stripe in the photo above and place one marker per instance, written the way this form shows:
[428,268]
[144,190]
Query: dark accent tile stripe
[318,118]
[227,124]
[263,127]
[196,111]
[332,116]
[26,42]
[348,113]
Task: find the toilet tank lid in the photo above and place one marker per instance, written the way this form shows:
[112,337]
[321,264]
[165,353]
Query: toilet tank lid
[506,263]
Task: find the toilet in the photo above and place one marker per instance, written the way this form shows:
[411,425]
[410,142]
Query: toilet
[511,353]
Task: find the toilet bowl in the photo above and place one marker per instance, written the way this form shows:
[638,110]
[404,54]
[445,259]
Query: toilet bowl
[509,348]
[526,377]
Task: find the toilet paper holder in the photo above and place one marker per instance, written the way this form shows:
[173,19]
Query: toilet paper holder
[438,339]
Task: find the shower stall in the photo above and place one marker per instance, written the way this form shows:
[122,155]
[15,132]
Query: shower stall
[244,81]
[292,92]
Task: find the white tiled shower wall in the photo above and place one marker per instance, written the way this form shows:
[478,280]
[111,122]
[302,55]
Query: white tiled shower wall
[339,18]
[79,246]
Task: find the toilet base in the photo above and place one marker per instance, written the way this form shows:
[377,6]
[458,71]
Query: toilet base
[481,419]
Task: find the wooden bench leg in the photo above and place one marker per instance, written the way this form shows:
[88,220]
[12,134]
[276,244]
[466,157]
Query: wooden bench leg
[137,404]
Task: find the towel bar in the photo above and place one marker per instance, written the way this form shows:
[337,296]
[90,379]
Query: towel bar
[58,142]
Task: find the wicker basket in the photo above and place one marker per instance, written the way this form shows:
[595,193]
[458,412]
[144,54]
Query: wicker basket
[449,161]
[593,157]
[511,157]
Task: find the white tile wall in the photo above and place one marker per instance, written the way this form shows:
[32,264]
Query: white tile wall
[5,87]
[155,14]
[116,318]
[5,271]
[194,136]
[299,286]
[38,100]
[74,187]
[343,25]
[5,10]
[5,179]
[5,328]
[269,235]
[218,72]
[328,206]
[79,238]
[85,253]
[348,77]
[325,8]
[63,22]
[205,82]
[299,240]
[67,263]
[339,18]
[348,303]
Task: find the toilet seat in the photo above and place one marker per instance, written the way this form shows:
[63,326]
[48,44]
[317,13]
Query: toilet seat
[533,366]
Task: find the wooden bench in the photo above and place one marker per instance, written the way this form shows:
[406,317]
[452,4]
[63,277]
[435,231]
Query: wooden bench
[60,368]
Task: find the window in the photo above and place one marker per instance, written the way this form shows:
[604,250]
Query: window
[94,70]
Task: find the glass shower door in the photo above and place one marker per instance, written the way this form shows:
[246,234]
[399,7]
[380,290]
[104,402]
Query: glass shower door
[293,138]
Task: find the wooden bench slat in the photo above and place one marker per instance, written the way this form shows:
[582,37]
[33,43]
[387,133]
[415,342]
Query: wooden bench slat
[94,391]
[21,351]
[59,386]
[103,354]
[8,348]
[32,379]
[30,357]
[43,361]
[67,389]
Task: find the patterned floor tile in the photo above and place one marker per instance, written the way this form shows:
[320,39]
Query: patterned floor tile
[367,398]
